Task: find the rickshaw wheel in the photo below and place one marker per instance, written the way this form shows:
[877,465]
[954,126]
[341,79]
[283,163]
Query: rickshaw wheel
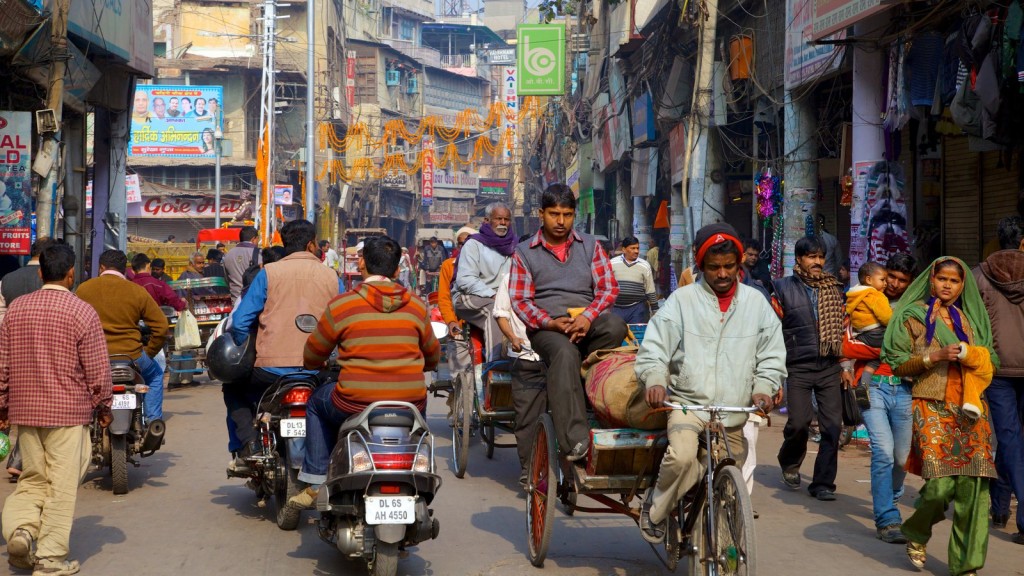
[672,539]
[540,491]
[487,431]
[462,404]
[567,489]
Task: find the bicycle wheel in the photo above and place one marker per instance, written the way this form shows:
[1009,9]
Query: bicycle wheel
[540,491]
[697,546]
[733,546]
[462,406]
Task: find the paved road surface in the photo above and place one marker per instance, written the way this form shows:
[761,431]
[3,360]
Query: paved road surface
[182,516]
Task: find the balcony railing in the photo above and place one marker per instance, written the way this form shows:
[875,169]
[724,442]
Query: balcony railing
[423,54]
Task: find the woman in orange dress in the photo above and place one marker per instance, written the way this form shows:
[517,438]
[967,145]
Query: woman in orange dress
[941,336]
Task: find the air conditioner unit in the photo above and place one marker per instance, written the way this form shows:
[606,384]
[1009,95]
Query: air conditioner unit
[413,87]
[393,78]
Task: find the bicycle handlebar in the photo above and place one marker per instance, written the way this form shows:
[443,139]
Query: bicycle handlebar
[712,408]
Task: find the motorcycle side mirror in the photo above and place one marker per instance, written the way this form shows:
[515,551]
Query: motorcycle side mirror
[440,329]
[306,323]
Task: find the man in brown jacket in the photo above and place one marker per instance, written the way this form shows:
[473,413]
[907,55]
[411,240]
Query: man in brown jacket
[1001,282]
[122,304]
[295,285]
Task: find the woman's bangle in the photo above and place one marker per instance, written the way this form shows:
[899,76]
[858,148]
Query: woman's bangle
[927,359]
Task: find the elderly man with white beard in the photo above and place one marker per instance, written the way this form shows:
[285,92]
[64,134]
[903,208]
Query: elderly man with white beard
[483,262]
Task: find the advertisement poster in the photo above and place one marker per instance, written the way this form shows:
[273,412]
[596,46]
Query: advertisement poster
[15,182]
[805,61]
[858,227]
[540,59]
[494,188]
[283,194]
[132,190]
[886,212]
[427,172]
[175,121]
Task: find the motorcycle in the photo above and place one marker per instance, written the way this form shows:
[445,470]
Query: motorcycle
[380,481]
[281,421]
[129,434]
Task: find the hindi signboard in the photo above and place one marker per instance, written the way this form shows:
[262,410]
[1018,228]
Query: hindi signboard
[15,182]
[494,188]
[176,121]
[540,59]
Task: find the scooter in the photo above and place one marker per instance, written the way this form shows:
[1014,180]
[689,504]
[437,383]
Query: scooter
[380,481]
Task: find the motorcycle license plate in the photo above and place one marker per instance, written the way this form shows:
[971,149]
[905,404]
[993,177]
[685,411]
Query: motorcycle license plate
[123,402]
[293,428]
[390,509]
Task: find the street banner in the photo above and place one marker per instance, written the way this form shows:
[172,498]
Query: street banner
[176,121]
[15,182]
[132,190]
[540,59]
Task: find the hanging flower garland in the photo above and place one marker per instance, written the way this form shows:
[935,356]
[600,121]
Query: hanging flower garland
[768,189]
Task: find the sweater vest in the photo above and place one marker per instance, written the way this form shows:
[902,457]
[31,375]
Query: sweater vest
[559,286]
[298,284]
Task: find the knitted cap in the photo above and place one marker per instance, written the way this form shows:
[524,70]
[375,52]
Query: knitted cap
[713,234]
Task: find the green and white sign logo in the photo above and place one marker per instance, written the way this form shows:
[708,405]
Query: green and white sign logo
[540,57]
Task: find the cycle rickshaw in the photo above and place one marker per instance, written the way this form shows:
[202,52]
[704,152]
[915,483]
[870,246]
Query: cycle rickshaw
[713,525]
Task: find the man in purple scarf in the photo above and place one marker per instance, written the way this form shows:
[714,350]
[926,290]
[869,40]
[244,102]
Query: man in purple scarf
[483,262]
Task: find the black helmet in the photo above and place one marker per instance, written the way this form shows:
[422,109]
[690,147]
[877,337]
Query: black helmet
[230,362]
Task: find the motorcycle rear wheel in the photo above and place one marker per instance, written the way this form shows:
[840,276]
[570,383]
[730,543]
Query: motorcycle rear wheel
[385,561]
[287,486]
[119,463]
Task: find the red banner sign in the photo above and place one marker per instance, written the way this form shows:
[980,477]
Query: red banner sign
[15,241]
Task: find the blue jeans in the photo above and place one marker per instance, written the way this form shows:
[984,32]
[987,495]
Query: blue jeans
[889,422]
[322,423]
[636,314]
[1006,402]
[153,374]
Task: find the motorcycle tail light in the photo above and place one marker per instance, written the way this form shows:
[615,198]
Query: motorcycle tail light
[117,388]
[422,463]
[141,388]
[298,395]
[389,488]
[297,413]
[393,460]
[361,461]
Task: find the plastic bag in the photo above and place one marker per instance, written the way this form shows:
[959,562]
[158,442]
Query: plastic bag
[186,332]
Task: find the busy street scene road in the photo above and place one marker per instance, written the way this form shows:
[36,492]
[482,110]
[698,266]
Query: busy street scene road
[182,516]
[512,287]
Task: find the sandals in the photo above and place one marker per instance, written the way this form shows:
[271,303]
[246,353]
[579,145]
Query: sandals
[653,533]
[917,554]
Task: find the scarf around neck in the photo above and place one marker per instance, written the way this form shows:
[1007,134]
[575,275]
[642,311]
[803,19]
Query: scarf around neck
[831,309]
[919,303]
[504,245]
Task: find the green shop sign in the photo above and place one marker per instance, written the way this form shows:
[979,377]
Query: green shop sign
[540,59]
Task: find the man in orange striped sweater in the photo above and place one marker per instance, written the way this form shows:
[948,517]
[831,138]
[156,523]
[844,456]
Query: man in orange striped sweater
[384,342]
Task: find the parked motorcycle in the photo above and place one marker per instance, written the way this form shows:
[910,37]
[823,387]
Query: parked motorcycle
[380,481]
[129,434]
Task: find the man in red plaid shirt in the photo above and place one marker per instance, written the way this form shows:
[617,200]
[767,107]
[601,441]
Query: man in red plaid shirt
[562,287]
[54,374]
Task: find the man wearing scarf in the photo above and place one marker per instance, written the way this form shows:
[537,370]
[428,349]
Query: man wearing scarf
[811,306]
[483,261]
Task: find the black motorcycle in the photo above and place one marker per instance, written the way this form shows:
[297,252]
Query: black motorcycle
[281,422]
[129,434]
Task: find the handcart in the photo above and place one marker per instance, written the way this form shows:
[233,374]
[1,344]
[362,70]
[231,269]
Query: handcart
[209,300]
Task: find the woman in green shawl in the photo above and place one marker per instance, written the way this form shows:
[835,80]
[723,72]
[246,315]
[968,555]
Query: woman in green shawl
[940,335]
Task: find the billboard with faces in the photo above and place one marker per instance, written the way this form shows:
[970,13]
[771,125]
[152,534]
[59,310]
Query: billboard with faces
[176,121]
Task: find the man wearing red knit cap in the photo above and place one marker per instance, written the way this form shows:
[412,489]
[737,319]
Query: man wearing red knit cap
[718,342]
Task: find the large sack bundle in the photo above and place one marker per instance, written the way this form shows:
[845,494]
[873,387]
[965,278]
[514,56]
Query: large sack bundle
[615,393]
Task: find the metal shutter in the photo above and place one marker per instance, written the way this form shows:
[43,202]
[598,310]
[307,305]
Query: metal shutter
[1000,184]
[960,200]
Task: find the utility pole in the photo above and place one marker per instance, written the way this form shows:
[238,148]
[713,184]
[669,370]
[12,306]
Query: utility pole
[267,111]
[697,128]
[310,109]
[50,146]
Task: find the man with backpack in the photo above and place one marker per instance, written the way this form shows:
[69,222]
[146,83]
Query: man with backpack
[245,255]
